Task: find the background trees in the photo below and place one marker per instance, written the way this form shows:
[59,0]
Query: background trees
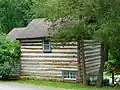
[97,19]
[80,19]
[13,13]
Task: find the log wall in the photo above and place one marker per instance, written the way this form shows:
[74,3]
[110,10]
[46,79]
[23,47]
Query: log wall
[92,56]
[50,65]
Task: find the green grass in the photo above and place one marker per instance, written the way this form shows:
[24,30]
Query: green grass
[107,75]
[75,86]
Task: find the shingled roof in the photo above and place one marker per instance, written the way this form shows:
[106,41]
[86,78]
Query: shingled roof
[35,29]
[14,33]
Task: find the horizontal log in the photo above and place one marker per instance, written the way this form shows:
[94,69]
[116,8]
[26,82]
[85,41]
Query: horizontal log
[93,65]
[44,66]
[93,58]
[93,71]
[92,68]
[92,48]
[97,55]
[44,58]
[53,61]
[31,50]
[31,44]
[48,63]
[64,43]
[31,47]
[44,72]
[94,61]
[64,50]
[92,54]
[48,66]
[31,40]
[91,44]
[40,52]
[47,54]
[49,69]
[92,51]
[39,75]
[64,47]
[60,47]
[90,41]
[53,50]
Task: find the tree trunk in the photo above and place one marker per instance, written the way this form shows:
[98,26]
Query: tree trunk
[83,64]
[103,57]
[113,78]
[78,60]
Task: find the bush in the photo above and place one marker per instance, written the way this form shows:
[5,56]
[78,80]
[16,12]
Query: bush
[9,55]
[92,80]
[106,82]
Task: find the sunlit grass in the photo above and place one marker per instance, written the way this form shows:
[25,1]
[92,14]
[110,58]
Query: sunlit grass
[75,86]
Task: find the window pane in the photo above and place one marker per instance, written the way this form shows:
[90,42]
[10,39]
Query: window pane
[46,46]
[69,74]
[46,42]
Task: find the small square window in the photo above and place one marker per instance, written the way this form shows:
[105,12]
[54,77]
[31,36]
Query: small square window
[46,46]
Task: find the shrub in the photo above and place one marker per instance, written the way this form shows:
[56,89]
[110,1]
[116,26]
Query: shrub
[9,55]
[106,82]
[92,80]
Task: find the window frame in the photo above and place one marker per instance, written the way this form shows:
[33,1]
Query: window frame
[69,76]
[49,44]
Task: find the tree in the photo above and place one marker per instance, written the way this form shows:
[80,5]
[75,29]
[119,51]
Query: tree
[108,25]
[101,18]
[73,27]
[14,13]
[77,33]
[98,19]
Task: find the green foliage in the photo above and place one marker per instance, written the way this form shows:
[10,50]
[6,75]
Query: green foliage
[111,64]
[106,82]
[14,13]
[96,19]
[39,8]
[9,55]
[92,80]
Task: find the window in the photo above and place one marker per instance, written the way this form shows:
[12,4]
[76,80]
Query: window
[69,75]
[46,46]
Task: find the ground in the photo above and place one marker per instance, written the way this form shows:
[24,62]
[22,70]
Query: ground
[72,85]
[24,84]
[17,86]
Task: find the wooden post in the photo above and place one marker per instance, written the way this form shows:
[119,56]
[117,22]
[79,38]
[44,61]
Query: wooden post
[83,64]
[78,60]
[113,78]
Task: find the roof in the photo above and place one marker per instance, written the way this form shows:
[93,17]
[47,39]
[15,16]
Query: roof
[35,29]
[14,33]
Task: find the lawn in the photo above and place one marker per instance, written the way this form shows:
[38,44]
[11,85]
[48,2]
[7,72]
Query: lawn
[75,86]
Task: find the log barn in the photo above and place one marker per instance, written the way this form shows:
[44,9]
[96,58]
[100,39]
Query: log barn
[44,59]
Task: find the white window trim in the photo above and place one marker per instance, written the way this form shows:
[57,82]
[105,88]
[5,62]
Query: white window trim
[69,73]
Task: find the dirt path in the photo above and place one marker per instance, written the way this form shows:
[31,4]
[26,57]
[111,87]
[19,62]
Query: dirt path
[17,86]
